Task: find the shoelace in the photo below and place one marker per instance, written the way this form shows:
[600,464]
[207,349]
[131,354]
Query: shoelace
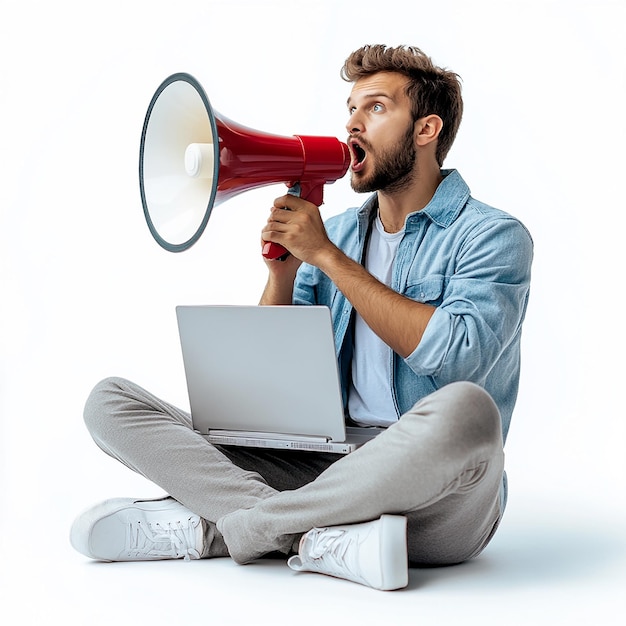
[334,553]
[172,540]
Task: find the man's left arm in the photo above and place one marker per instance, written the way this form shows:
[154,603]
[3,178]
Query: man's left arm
[399,321]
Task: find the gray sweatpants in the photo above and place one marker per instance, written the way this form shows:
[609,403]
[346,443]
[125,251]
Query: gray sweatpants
[440,465]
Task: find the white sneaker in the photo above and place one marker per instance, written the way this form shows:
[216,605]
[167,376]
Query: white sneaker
[372,554]
[123,529]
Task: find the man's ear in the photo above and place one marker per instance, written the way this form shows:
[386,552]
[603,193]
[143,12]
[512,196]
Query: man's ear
[427,129]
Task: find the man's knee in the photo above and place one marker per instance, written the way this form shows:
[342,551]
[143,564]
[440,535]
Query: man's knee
[100,404]
[464,412]
[473,405]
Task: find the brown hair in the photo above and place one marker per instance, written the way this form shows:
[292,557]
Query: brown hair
[432,89]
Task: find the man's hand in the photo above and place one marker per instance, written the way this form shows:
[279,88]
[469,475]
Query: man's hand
[297,225]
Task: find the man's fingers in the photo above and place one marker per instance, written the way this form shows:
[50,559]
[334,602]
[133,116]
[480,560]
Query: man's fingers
[280,215]
[290,202]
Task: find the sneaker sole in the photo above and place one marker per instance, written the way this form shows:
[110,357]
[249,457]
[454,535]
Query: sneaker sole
[394,556]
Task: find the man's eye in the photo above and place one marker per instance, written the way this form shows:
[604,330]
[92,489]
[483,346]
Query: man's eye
[377,108]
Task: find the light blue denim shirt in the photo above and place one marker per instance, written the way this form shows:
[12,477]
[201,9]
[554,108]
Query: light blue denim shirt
[469,260]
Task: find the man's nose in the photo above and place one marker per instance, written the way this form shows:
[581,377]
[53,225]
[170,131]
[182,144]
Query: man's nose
[354,124]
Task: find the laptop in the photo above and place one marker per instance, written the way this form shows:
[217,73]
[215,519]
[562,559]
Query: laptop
[266,377]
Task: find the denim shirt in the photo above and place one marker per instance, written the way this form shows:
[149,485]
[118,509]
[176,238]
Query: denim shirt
[470,261]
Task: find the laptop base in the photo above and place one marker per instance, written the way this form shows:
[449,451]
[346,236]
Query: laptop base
[356,437]
[282,444]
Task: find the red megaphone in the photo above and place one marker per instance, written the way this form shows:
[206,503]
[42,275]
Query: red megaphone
[192,159]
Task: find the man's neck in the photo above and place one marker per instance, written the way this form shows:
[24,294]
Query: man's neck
[394,207]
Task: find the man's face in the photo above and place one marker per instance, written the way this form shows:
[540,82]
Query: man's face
[381,134]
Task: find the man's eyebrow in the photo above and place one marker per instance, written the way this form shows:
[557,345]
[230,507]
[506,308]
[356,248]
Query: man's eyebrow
[372,96]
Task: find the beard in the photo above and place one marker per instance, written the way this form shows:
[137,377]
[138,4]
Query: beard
[393,170]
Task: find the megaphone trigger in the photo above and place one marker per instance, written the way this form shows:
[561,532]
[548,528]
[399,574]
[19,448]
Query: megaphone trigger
[295,189]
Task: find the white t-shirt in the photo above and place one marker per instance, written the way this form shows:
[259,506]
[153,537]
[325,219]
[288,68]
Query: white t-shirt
[370,401]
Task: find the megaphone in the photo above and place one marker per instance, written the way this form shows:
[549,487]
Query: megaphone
[192,159]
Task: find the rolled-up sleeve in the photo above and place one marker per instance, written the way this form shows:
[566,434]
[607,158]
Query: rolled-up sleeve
[482,306]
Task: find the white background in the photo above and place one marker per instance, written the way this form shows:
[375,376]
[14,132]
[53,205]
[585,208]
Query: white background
[86,293]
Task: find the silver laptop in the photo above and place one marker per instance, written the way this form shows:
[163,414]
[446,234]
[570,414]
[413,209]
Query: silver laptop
[266,376]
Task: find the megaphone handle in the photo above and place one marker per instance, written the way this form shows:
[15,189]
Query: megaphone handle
[313,192]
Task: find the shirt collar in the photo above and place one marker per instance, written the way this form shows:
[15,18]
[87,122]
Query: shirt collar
[449,199]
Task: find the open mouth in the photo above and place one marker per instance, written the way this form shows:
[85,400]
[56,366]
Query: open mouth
[359,155]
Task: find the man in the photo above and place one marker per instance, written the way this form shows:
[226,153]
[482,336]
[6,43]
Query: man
[428,290]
